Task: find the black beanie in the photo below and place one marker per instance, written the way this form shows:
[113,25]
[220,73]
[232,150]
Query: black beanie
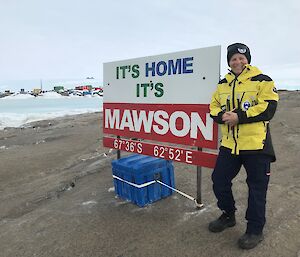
[238,48]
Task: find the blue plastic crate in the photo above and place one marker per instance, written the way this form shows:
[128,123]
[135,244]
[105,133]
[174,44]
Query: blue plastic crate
[140,169]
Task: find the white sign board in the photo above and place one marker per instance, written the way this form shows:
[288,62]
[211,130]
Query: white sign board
[163,98]
[187,77]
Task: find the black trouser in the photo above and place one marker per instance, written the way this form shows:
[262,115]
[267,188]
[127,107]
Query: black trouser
[258,170]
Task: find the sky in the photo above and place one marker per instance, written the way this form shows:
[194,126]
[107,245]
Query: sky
[62,39]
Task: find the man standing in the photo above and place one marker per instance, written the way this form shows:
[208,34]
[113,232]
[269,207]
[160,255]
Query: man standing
[244,103]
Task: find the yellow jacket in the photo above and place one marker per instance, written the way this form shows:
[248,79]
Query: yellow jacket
[254,98]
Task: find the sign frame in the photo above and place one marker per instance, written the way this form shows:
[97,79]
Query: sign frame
[143,94]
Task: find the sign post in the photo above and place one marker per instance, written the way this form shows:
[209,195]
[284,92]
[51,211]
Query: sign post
[118,151]
[199,184]
[163,100]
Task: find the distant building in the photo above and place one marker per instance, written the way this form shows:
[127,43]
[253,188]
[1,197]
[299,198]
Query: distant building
[84,88]
[36,91]
[98,89]
[6,93]
[59,89]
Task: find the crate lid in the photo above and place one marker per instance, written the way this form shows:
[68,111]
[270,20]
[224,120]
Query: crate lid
[138,162]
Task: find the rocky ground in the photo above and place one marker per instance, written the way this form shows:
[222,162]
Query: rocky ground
[57,197]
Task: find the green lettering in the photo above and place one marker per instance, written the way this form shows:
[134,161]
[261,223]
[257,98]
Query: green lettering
[137,90]
[117,72]
[159,90]
[135,71]
[145,86]
[123,68]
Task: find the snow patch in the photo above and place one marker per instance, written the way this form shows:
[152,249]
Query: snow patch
[51,95]
[89,202]
[111,189]
[16,120]
[40,142]
[189,215]
[17,96]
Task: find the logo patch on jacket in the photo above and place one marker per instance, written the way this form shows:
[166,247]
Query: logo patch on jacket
[242,50]
[246,105]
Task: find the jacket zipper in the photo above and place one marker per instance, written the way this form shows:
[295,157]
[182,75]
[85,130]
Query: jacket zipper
[239,107]
[228,109]
[233,105]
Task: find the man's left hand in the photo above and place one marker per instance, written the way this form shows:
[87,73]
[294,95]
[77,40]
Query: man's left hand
[230,118]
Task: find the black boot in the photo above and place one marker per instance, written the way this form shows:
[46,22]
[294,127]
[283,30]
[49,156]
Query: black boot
[249,241]
[224,221]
